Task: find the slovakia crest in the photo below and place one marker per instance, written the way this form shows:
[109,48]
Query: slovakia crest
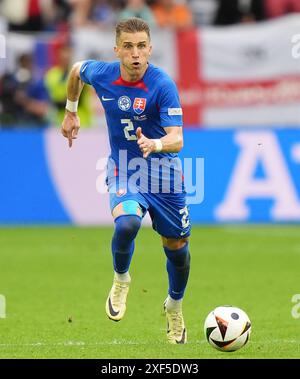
[139,105]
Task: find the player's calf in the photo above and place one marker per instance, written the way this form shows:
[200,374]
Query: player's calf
[126,228]
[178,267]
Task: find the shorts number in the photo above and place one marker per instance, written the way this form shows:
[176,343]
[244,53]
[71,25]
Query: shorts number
[185,217]
[129,127]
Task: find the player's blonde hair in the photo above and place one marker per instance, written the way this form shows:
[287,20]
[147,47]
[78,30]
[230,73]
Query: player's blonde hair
[132,25]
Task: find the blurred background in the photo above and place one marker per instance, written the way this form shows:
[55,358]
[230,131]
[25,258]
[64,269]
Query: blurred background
[237,67]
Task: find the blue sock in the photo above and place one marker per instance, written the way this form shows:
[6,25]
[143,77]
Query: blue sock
[122,245]
[178,267]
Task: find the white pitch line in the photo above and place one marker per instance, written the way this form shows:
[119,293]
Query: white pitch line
[68,343]
[125,342]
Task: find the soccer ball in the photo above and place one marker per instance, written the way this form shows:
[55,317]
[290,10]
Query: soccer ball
[227,328]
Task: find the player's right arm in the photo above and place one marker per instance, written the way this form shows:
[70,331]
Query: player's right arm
[71,123]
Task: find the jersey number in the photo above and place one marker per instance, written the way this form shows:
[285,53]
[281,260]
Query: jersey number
[128,128]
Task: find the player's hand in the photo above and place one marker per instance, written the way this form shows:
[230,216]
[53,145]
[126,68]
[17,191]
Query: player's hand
[70,126]
[146,145]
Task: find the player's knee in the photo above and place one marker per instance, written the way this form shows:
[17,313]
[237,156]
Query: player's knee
[174,243]
[127,226]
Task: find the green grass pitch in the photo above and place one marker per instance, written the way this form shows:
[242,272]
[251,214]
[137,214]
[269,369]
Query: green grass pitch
[56,280]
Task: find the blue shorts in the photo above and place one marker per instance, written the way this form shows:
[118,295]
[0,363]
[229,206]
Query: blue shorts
[168,211]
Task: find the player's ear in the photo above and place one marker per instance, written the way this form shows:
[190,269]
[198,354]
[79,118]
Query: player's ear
[116,50]
[150,49]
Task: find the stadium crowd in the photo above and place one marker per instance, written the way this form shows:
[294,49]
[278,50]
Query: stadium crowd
[31,99]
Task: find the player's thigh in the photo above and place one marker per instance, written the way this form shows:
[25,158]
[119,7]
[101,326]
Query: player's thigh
[123,202]
[170,216]
[127,207]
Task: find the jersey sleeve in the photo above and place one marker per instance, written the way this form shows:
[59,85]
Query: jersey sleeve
[91,69]
[169,105]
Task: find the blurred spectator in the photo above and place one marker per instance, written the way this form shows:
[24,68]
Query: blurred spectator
[236,11]
[80,12]
[56,83]
[103,13]
[62,9]
[59,20]
[8,106]
[204,11]
[276,8]
[139,9]
[24,98]
[168,13]
[27,15]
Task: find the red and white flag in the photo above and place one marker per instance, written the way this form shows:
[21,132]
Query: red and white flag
[241,75]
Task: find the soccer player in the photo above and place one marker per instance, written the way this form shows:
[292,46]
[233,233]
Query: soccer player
[144,120]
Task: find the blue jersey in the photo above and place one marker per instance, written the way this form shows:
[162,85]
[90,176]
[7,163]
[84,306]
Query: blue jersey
[151,103]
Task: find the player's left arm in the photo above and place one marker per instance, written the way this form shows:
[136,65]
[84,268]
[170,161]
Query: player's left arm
[172,142]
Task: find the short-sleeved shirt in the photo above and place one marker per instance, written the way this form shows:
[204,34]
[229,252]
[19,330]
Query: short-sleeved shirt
[153,104]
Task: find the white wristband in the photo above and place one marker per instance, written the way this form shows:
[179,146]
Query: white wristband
[158,145]
[72,106]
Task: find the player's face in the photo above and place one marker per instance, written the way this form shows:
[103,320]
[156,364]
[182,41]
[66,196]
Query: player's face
[133,50]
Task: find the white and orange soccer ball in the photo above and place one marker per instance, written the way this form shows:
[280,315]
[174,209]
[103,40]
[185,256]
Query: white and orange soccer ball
[227,328]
